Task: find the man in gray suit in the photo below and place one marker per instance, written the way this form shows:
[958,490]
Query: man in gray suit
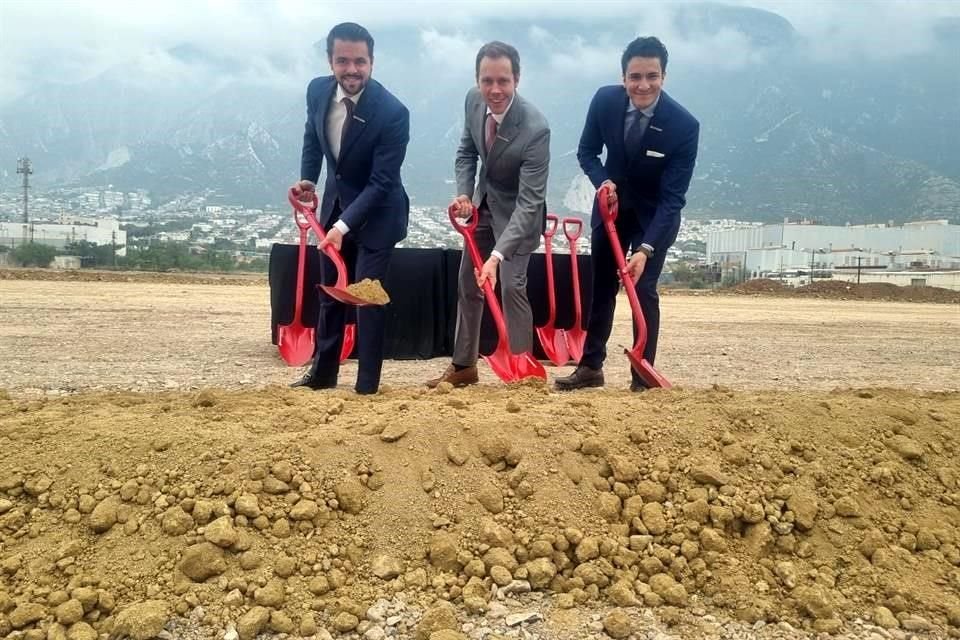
[512,140]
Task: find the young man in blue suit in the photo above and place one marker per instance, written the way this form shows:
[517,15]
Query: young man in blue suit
[651,144]
[362,131]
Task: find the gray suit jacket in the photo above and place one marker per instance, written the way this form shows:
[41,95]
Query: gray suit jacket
[513,177]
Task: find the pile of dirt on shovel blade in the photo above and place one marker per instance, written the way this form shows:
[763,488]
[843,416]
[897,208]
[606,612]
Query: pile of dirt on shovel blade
[293,512]
[370,290]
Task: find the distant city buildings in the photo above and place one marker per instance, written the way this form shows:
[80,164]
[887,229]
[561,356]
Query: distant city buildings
[797,252]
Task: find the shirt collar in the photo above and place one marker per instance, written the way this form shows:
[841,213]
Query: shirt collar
[500,116]
[340,95]
[648,111]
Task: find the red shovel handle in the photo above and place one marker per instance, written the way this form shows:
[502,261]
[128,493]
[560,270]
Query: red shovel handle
[308,211]
[609,215]
[466,229]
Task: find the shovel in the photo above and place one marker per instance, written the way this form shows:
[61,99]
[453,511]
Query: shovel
[575,335]
[644,369]
[508,366]
[296,341]
[553,340]
[337,291]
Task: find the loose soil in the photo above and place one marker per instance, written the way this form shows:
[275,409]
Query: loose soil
[154,473]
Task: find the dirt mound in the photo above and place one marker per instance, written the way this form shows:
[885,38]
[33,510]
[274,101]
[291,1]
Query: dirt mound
[290,510]
[760,286]
[89,275]
[842,290]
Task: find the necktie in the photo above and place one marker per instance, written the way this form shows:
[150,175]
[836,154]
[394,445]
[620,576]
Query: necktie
[491,133]
[635,124]
[348,105]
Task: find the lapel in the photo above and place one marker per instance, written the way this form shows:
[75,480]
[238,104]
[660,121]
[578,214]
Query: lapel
[508,130]
[363,113]
[321,121]
[479,118]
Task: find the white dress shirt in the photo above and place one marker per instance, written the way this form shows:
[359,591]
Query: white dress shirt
[336,117]
[499,118]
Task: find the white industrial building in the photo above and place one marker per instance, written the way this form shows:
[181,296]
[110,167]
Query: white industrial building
[916,253]
[67,230]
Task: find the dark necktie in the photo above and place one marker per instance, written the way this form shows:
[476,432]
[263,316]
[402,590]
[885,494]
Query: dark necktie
[491,133]
[348,105]
[635,127]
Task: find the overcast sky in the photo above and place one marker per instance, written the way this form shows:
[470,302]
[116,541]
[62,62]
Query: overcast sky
[71,40]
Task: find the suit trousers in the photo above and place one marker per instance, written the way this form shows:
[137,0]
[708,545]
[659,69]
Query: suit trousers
[513,291]
[606,285]
[361,262]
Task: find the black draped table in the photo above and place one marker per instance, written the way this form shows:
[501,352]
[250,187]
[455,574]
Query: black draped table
[422,283]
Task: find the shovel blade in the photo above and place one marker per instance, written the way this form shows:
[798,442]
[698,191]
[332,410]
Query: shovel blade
[295,343]
[349,339]
[576,337]
[646,371]
[554,344]
[511,367]
[345,296]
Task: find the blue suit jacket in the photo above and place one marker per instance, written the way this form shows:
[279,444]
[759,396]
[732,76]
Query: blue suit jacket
[366,178]
[651,187]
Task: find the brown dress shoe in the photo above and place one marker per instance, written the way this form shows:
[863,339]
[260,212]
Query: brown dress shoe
[582,378]
[460,378]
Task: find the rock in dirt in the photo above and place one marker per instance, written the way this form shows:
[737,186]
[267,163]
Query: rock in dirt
[803,502]
[907,448]
[440,616]
[142,620]
[202,561]
[252,623]
[617,624]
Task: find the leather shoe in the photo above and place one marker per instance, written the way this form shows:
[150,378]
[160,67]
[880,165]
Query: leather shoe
[637,386]
[582,378]
[310,382]
[460,378]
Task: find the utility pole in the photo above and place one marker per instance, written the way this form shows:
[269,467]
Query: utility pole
[25,168]
[858,268]
[113,246]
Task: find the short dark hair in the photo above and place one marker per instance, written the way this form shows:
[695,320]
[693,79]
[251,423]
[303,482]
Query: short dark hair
[350,32]
[648,47]
[497,49]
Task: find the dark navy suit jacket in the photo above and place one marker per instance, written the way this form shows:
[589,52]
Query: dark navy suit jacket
[651,180]
[366,178]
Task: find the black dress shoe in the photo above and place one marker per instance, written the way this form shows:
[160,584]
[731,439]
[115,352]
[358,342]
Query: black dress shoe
[636,386]
[311,382]
[582,378]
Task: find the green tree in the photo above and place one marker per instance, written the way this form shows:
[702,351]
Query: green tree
[34,254]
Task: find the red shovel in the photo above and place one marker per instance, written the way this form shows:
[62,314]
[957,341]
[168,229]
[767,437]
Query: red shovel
[553,340]
[337,291]
[644,369]
[509,367]
[296,341]
[575,335]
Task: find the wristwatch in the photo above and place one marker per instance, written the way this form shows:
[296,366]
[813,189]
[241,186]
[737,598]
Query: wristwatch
[646,250]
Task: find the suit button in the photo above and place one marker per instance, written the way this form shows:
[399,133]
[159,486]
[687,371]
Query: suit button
[338,176]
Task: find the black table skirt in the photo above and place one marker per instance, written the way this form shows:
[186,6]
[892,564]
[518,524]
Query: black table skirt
[422,283]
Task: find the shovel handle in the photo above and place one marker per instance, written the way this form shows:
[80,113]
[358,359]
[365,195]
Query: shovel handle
[308,211]
[607,212]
